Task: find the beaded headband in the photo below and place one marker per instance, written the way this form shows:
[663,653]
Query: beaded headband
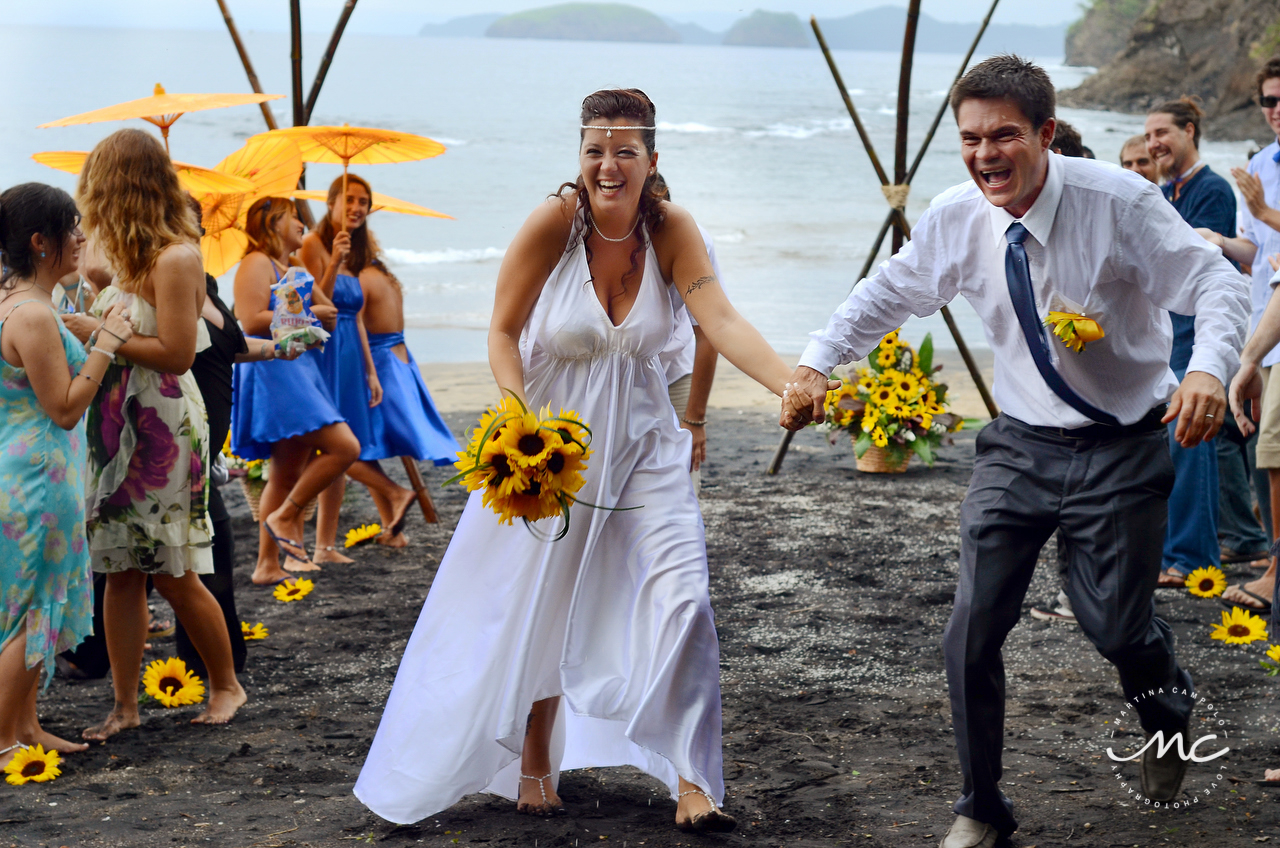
[609,130]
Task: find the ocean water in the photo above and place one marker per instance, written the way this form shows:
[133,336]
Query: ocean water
[755,142]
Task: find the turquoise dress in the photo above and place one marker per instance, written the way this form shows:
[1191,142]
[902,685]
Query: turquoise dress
[44,556]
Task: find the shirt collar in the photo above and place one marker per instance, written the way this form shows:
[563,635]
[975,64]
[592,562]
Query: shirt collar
[1039,218]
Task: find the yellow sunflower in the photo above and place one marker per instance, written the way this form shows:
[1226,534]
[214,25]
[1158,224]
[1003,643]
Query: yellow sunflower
[879,438]
[866,382]
[569,425]
[295,591]
[536,502]
[363,533]
[172,684]
[490,419]
[883,396]
[1273,653]
[1240,627]
[251,634]
[907,385]
[526,442]
[565,465]
[32,765]
[892,339]
[1206,582]
[887,357]
[500,475]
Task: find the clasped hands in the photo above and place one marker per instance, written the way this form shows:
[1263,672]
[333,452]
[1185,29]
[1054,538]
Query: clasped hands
[804,398]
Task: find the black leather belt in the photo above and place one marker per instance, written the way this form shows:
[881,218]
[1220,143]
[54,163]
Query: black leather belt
[1100,432]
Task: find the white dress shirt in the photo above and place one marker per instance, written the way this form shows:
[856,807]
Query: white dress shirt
[1263,166]
[1100,236]
[676,358]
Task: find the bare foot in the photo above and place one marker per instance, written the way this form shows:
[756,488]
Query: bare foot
[223,704]
[695,811]
[539,798]
[269,573]
[400,505]
[1272,774]
[325,555]
[399,540]
[120,718]
[39,736]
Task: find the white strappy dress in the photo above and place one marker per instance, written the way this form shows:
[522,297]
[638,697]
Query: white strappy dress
[615,617]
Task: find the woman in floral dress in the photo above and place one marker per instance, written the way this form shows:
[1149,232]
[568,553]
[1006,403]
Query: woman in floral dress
[46,598]
[147,434]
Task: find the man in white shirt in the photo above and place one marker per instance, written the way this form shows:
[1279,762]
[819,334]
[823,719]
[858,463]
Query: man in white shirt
[1080,446]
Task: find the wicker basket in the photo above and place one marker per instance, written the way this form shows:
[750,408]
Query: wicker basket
[880,461]
[253,494]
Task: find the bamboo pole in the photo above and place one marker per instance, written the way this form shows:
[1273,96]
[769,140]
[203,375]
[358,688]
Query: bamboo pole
[295,60]
[248,66]
[420,490]
[904,113]
[974,371]
[326,60]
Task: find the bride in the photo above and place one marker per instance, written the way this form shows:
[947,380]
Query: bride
[615,618]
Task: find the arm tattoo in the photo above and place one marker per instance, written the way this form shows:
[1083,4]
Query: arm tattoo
[698,283]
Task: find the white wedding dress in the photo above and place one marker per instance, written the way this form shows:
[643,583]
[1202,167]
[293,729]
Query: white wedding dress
[615,617]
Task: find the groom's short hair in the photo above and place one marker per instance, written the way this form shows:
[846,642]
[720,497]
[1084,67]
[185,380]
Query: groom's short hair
[1024,83]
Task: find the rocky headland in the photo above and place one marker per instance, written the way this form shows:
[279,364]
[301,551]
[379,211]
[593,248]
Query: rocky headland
[1208,48]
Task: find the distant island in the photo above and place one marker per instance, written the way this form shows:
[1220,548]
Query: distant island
[880,28]
[585,22]
[768,29]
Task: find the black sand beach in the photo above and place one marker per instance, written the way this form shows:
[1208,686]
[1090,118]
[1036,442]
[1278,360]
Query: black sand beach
[831,590]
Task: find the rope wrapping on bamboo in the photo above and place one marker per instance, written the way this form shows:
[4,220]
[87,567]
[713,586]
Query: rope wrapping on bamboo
[896,195]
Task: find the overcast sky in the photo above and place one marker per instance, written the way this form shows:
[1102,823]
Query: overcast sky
[406,16]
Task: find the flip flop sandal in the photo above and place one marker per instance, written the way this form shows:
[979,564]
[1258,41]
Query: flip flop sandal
[1265,609]
[281,542]
[157,629]
[398,527]
[1171,580]
[275,583]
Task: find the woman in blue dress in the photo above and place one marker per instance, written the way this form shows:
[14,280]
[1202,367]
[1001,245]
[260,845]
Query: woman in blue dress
[339,248]
[283,410]
[46,594]
[406,423]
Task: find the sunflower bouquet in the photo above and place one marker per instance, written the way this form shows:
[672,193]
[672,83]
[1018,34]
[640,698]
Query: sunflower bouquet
[528,465]
[894,405]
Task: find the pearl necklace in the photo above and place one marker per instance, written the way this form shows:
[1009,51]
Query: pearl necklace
[596,227]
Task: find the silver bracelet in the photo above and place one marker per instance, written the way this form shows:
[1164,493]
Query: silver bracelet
[701,423]
[96,349]
[87,377]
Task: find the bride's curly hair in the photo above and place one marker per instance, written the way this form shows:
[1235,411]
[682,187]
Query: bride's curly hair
[635,106]
[133,204]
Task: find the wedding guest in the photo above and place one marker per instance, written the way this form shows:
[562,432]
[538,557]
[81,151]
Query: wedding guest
[614,618]
[1134,157]
[1080,446]
[1259,185]
[147,431]
[406,423]
[336,255]
[283,411]
[1204,200]
[1067,141]
[44,558]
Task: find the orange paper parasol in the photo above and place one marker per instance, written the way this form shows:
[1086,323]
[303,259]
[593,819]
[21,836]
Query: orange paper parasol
[162,109]
[272,164]
[197,180]
[359,145]
[378,202]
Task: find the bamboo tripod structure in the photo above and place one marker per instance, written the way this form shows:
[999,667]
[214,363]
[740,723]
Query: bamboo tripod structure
[902,176]
[301,117]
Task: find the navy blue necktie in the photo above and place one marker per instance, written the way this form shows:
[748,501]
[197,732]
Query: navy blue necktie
[1017,272]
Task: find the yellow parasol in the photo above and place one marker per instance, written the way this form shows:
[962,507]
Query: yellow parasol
[162,109]
[224,243]
[378,202]
[194,179]
[272,164]
[358,145]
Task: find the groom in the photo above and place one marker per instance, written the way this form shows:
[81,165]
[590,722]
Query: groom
[1080,446]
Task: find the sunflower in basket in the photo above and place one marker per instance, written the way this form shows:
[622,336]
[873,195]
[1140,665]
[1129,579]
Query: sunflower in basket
[528,465]
[894,404]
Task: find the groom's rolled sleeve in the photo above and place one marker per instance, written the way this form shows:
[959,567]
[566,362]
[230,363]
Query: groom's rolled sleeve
[906,284]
